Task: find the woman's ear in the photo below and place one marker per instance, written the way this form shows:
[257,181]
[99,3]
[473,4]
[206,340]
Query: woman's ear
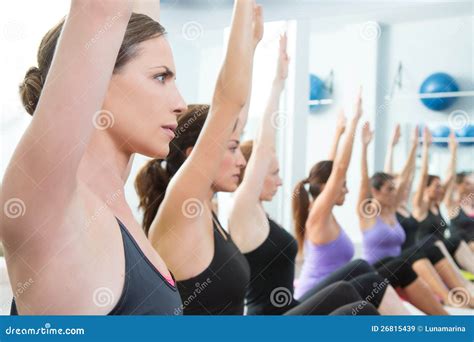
[189,150]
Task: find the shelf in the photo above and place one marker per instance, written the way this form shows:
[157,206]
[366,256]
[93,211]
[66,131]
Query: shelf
[432,95]
[458,139]
[322,102]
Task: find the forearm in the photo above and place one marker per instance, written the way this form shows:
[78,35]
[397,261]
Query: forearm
[343,159]
[267,131]
[451,171]
[335,145]
[410,164]
[234,79]
[423,177]
[388,166]
[364,174]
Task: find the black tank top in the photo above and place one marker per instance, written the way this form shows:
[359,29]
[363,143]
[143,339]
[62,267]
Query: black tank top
[431,228]
[463,226]
[410,226]
[272,269]
[145,290]
[220,288]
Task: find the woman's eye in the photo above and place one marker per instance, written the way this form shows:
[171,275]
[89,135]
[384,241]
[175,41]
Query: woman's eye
[161,78]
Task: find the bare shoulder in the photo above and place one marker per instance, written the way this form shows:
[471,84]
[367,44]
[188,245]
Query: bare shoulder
[66,267]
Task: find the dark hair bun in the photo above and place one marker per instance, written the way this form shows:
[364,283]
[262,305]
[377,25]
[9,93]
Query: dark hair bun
[30,89]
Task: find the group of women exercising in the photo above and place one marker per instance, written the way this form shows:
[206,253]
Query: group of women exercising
[79,242]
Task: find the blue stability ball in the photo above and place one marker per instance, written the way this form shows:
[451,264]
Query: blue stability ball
[440,132]
[317,90]
[439,82]
[466,132]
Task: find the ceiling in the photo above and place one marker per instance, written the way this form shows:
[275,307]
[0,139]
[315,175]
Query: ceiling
[215,14]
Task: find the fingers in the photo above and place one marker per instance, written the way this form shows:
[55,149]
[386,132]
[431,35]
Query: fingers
[358,107]
[415,135]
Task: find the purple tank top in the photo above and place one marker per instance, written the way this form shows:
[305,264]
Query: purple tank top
[321,260]
[383,240]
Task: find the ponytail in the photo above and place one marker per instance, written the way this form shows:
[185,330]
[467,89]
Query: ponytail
[300,204]
[150,184]
[153,179]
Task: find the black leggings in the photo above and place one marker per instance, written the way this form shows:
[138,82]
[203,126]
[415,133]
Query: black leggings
[363,278]
[339,298]
[397,271]
[452,243]
[417,252]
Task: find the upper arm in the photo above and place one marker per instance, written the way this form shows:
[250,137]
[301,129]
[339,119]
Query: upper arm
[324,203]
[255,174]
[422,183]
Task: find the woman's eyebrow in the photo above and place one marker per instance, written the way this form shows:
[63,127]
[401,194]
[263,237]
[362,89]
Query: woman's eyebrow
[168,70]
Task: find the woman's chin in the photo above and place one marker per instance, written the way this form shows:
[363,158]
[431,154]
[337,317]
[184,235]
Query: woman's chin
[156,152]
[231,187]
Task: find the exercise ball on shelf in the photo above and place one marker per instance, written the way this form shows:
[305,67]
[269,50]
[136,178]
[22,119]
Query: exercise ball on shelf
[439,82]
[317,91]
[440,132]
[466,132]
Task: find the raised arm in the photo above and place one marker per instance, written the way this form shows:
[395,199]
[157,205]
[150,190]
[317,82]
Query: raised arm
[258,29]
[150,8]
[247,196]
[73,92]
[448,184]
[340,128]
[388,167]
[418,197]
[364,190]
[195,177]
[323,204]
[407,172]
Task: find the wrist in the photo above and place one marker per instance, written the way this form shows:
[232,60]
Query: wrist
[278,81]
[278,84]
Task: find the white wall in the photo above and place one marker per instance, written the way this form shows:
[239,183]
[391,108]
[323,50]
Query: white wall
[424,48]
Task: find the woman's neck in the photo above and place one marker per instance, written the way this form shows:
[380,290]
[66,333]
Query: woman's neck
[386,211]
[104,169]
